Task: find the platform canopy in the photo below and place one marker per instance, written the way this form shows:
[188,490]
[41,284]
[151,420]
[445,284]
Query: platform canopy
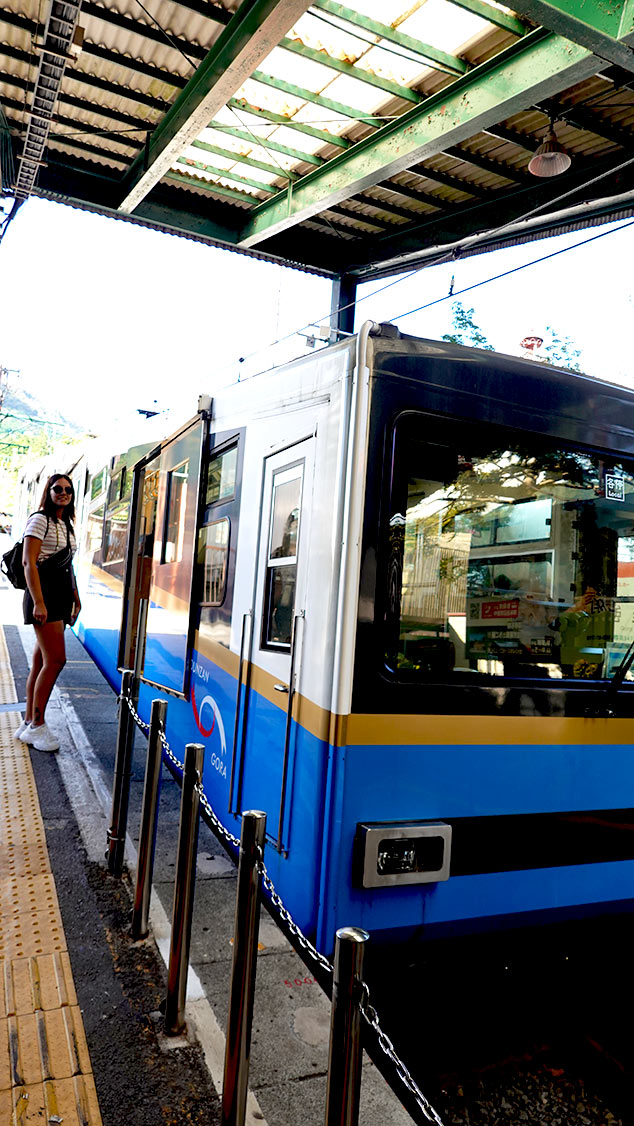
[352,141]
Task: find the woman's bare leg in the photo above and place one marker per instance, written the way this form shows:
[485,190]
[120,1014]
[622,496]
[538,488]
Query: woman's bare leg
[50,639]
[34,672]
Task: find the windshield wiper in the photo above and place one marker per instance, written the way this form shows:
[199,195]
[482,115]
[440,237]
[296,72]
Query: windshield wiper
[612,689]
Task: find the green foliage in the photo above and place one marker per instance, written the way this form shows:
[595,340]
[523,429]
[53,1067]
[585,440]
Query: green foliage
[465,330]
[23,441]
[560,351]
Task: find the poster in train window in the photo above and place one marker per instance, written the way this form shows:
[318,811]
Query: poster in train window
[508,556]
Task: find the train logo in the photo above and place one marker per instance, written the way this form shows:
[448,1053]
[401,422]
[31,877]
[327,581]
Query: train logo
[209,723]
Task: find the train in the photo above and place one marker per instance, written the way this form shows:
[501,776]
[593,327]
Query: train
[390,587]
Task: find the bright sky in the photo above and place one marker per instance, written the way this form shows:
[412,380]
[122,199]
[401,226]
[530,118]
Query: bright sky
[101,317]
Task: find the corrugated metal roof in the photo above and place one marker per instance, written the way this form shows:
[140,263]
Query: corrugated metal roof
[350,140]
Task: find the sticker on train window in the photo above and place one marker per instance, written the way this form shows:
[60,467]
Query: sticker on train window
[614,487]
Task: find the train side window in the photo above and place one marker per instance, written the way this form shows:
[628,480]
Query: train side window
[281,565]
[221,476]
[213,553]
[98,483]
[94,534]
[176,508]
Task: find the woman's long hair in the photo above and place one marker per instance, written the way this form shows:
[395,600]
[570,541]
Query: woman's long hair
[48,507]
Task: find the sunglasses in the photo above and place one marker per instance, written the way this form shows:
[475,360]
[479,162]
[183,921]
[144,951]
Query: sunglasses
[61,489]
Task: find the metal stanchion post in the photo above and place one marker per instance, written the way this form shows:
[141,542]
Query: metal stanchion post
[184,891]
[344,1059]
[122,773]
[242,989]
[149,814]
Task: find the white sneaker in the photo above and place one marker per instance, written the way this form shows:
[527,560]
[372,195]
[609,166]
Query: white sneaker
[19,731]
[41,738]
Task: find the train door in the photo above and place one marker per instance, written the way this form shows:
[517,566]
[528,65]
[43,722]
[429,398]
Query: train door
[277,636]
[160,571]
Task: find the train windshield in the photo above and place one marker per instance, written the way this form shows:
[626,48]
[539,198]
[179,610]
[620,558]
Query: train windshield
[508,555]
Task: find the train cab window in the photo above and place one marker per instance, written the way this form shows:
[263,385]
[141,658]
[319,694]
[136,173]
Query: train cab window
[176,509]
[213,552]
[507,556]
[281,567]
[221,476]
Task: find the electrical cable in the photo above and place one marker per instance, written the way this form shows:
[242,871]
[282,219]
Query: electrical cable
[513,270]
[383,44]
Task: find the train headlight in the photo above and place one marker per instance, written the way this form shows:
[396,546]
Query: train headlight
[414,852]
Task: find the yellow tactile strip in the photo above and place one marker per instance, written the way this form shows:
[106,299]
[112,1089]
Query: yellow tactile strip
[7,683]
[45,1071]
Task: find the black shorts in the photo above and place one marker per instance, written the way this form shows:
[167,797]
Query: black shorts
[58,594]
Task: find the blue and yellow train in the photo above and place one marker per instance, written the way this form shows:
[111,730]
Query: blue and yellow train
[391,588]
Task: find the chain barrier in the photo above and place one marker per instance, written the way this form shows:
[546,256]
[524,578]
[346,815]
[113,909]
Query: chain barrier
[368,1011]
[370,1015]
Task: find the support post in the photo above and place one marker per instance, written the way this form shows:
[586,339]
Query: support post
[242,989]
[122,774]
[149,815]
[184,891]
[343,304]
[344,1059]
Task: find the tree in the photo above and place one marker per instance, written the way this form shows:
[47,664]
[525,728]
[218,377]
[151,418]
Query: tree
[560,351]
[465,330]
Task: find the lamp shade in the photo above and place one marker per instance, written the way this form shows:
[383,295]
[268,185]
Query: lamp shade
[550,159]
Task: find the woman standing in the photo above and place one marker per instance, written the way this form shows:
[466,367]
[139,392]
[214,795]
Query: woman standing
[51,602]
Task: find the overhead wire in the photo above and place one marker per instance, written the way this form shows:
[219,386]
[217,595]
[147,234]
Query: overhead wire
[513,270]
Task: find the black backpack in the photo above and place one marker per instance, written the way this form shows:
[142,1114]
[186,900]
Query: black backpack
[12,564]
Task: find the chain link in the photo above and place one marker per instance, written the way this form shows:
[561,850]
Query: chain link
[285,914]
[370,1015]
[135,715]
[367,1009]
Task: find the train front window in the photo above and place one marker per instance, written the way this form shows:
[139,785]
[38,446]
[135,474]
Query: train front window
[507,556]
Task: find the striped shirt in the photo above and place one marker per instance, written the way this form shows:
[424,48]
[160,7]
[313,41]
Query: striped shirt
[53,539]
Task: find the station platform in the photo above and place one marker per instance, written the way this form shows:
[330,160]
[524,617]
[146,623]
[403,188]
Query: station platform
[81,1038]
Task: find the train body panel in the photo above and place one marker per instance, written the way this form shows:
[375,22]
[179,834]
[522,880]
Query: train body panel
[391,588]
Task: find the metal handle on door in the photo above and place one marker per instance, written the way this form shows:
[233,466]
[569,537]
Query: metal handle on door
[281,687]
[289,720]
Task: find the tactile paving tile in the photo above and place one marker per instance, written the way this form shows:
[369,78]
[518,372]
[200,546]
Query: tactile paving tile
[23,850]
[18,795]
[7,683]
[30,920]
[72,1102]
[43,982]
[44,1045]
[13,751]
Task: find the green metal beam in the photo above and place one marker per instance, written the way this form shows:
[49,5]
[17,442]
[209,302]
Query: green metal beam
[351,70]
[306,95]
[500,19]
[432,56]
[227,154]
[256,28]
[289,123]
[540,65]
[227,175]
[264,143]
[602,26]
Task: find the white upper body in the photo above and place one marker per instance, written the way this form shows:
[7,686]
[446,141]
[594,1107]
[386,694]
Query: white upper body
[53,539]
